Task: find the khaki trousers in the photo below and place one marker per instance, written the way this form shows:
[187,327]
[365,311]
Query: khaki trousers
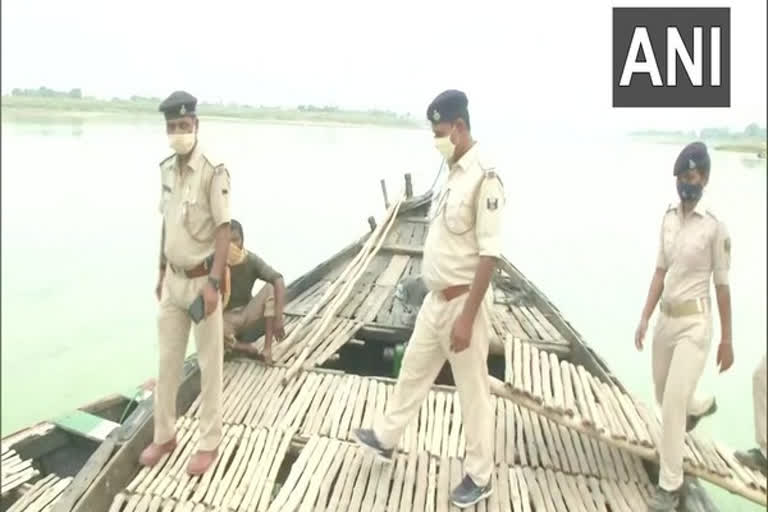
[236,320]
[425,355]
[680,349]
[759,397]
[173,325]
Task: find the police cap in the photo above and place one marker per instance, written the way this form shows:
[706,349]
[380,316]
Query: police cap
[693,156]
[178,104]
[448,106]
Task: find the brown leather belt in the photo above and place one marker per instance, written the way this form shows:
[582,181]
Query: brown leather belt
[686,308]
[452,292]
[199,271]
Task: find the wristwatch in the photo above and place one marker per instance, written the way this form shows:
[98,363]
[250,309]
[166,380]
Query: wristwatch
[214,282]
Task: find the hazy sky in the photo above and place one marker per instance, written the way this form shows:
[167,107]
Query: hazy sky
[542,62]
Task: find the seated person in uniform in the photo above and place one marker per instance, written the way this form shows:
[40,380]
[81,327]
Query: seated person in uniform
[243,311]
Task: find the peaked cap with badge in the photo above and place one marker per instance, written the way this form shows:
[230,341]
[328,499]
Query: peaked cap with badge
[693,156]
[448,106]
[179,104]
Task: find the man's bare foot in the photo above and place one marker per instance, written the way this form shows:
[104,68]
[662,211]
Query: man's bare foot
[247,348]
[267,356]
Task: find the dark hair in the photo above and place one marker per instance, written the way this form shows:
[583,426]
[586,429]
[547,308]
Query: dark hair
[694,155]
[236,227]
[464,114]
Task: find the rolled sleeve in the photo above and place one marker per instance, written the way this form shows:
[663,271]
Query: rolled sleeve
[721,255]
[220,196]
[490,208]
[661,258]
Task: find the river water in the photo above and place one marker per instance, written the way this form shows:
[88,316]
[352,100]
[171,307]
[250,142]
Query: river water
[80,231]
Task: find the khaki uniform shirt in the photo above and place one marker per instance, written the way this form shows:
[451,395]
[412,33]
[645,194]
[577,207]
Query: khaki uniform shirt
[194,203]
[466,223]
[691,249]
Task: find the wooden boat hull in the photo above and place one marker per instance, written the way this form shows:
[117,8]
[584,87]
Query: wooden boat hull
[114,464]
[63,446]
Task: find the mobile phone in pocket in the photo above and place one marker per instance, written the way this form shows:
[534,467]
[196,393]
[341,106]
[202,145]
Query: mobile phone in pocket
[197,309]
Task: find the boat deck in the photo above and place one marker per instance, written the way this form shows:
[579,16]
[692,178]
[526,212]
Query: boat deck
[538,461]
[567,434]
[267,426]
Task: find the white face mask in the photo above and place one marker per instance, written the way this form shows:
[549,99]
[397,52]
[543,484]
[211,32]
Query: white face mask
[181,143]
[445,147]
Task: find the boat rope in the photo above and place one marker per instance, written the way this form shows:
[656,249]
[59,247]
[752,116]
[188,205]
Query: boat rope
[437,177]
[128,405]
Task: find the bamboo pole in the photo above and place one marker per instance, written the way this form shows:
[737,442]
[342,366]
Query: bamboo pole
[729,483]
[341,297]
[283,346]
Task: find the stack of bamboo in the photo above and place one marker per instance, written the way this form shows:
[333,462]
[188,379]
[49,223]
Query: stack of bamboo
[344,284]
[43,495]
[15,471]
[572,397]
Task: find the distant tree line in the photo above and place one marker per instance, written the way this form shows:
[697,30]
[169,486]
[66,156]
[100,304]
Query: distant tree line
[74,100]
[328,108]
[752,130]
[45,92]
[144,99]
[313,108]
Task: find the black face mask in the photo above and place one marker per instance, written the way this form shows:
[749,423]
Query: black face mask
[689,191]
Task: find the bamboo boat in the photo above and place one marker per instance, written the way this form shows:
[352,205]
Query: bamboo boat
[567,434]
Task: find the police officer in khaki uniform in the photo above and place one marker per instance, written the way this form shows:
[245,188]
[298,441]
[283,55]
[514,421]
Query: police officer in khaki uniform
[195,240]
[757,458]
[460,255]
[694,248]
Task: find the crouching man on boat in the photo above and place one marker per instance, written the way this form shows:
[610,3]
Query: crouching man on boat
[195,239]
[460,255]
[757,458]
[694,246]
[242,311]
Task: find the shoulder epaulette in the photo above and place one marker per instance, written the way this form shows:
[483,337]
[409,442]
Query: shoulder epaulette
[485,164]
[220,168]
[489,169]
[213,163]
[492,174]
